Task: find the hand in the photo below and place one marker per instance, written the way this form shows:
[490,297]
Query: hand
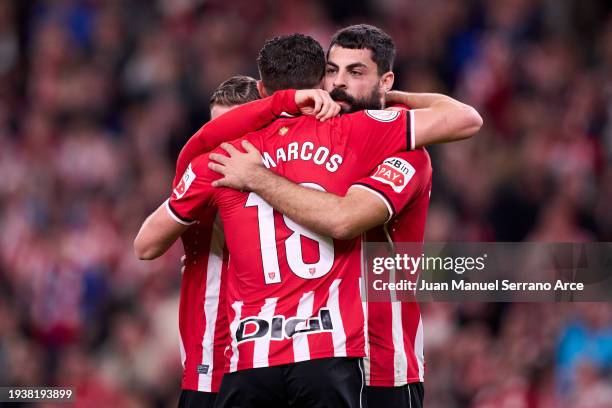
[316,102]
[393,97]
[238,168]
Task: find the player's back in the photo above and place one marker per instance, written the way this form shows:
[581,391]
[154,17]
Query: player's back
[290,273]
[304,151]
[294,295]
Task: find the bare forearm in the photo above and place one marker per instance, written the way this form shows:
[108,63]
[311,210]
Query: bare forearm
[339,217]
[420,100]
[312,209]
[439,118]
[156,235]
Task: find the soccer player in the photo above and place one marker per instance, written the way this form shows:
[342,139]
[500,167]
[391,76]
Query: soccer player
[202,319]
[359,72]
[263,332]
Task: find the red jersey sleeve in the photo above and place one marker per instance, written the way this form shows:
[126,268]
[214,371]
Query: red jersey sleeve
[379,133]
[234,124]
[193,193]
[399,179]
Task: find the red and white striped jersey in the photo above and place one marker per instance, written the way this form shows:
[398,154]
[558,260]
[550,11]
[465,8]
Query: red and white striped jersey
[202,318]
[395,329]
[203,325]
[292,294]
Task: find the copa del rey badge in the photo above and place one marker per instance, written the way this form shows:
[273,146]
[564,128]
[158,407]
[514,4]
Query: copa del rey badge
[185,182]
[383,115]
[395,172]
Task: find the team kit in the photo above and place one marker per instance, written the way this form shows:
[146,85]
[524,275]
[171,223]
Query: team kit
[274,199]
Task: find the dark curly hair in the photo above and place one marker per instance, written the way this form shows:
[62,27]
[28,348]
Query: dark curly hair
[295,61]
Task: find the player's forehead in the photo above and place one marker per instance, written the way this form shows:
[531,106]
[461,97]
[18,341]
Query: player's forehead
[342,57]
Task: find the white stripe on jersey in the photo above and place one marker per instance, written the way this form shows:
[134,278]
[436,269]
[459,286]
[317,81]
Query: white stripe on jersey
[338,334]
[173,215]
[211,302]
[182,349]
[363,290]
[364,304]
[418,349]
[393,294]
[400,361]
[412,127]
[301,350]
[237,306]
[261,348]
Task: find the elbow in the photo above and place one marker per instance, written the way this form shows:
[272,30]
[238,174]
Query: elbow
[472,122]
[343,229]
[343,233]
[145,252]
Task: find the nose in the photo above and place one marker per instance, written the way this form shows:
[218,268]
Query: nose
[340,80]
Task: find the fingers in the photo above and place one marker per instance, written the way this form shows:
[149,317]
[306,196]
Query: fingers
[301,97]
[334,110]
[219,158]
[330,108]
[249,148]
[318,103]
[231,150]
[216,168]
[225,182]
[337,109]
[323,112]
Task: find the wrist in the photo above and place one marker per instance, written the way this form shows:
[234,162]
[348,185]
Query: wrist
[393,97]
[284,101]
[257,178]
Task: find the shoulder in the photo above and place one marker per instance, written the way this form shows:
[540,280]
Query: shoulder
[414,163]
[200,163]
[373,116]
[418,157]
[198,171]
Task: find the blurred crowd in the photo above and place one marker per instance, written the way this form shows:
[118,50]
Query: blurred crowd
[98,96]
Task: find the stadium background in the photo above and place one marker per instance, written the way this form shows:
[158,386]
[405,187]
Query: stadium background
[97,97]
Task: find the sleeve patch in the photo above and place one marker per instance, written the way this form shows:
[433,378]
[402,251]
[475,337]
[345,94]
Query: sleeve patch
[185,182]
[395,172]
[383,115]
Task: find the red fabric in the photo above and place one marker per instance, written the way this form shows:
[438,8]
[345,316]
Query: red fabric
[234,124]
[395,363]
[278,270]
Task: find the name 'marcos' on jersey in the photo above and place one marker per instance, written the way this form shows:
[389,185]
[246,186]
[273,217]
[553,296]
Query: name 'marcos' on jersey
[306,151]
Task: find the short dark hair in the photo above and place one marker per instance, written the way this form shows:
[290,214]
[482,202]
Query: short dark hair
[236,90]
[364,36]
[295,61]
